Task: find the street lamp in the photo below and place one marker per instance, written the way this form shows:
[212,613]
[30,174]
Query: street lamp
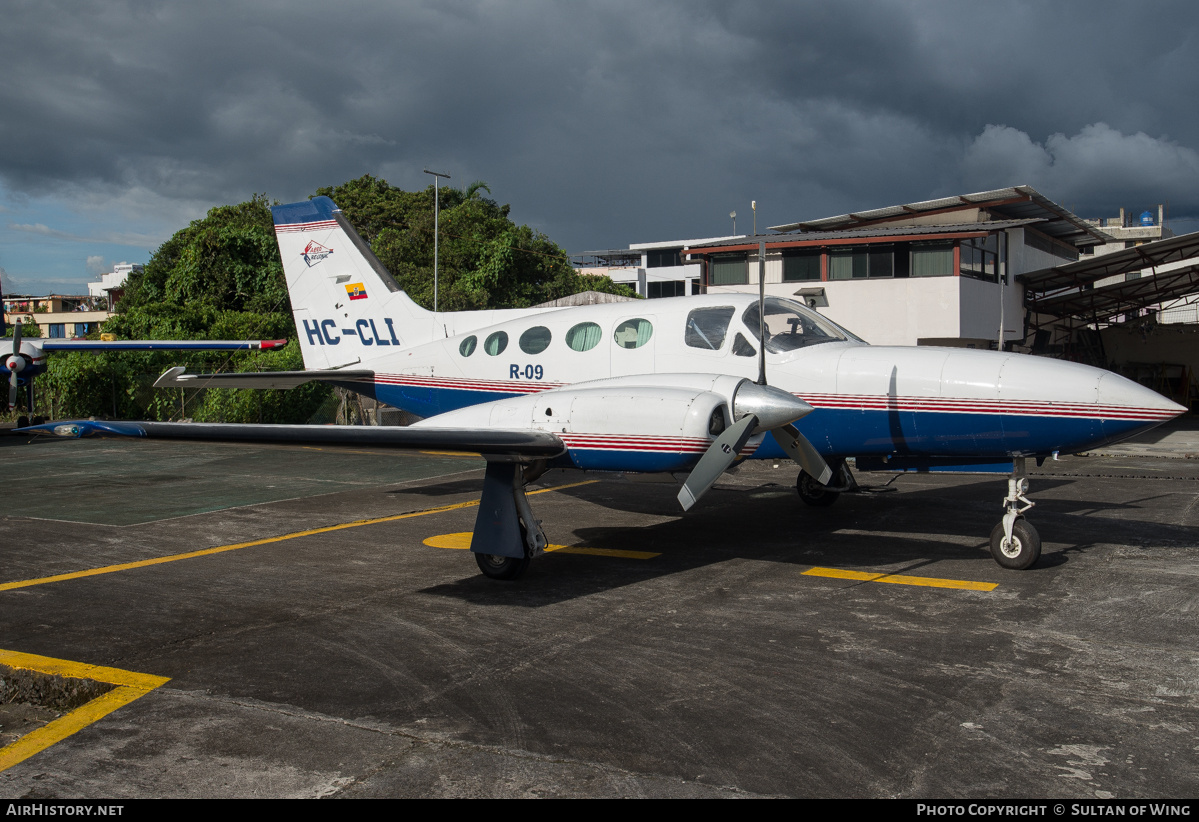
[436,216]
[733,214]
[754,205]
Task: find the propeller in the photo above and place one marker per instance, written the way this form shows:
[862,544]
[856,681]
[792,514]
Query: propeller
[15,363]
[757,407]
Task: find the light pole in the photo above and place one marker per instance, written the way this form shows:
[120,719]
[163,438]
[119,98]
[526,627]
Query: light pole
[754,205]
[733,214]
[436,230]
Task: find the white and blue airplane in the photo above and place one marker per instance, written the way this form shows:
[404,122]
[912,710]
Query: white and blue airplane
[662,386]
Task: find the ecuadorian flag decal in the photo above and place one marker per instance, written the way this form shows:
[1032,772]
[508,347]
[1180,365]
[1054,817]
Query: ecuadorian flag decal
[357,291]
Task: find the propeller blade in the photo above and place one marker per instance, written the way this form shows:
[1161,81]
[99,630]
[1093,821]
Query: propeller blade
[13,366]
[798,448]
[719,456]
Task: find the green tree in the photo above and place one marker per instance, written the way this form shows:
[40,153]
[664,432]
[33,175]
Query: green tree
[485,260]
[219,278]
[28,329]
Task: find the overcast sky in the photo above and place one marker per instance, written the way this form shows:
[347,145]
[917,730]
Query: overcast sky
[602,124]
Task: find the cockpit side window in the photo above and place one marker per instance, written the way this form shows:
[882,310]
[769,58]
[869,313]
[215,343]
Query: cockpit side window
[707,327]
[790,325]
[742,347]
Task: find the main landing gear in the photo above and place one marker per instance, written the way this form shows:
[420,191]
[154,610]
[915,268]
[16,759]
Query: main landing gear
[1015,543]
[507,537]
[821,496]
[843,482]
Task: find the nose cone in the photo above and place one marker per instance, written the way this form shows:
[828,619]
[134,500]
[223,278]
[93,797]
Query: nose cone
[1129,408]
[772,406]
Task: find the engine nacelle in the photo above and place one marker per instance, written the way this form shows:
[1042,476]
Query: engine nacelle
[650,423]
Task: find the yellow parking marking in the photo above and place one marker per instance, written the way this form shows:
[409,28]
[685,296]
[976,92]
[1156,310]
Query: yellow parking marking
[130,686]
[461,542]
[220,549]
[900,579]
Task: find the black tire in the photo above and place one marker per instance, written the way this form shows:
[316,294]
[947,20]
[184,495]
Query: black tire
[22,421]
[494,566]
[813,493]
[1024,550]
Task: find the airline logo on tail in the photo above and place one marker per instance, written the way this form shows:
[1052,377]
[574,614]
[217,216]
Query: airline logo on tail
[314,253]
[356,291]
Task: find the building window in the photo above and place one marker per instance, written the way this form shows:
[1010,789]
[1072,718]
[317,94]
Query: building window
[801,266]
[862,262]
[932,259]
[1042,242]
[667,288]
[58,330]
[730,269]
[663,257]
[980,258]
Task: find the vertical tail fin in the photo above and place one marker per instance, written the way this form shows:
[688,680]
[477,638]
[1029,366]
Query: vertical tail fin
[348,308]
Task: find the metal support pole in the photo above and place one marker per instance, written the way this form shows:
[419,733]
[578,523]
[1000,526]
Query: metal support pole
[436,228]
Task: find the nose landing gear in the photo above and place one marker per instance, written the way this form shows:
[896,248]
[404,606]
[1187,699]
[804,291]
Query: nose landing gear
[1015,544]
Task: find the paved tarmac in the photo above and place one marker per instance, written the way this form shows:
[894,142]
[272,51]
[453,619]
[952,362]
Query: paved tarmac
[746,648]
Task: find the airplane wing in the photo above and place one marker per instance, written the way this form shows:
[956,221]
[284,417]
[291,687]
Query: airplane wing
[497,443]
[177,378]
[155,345]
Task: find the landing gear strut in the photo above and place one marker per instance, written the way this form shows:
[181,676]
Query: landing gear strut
[506,535]
[1015,543]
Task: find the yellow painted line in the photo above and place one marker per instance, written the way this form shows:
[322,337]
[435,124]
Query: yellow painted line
[220,549]
[461,542]
[469,454]
[130,686]
[900,579]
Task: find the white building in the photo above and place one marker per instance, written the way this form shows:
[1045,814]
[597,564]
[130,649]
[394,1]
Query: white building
[111,285]
[937,272]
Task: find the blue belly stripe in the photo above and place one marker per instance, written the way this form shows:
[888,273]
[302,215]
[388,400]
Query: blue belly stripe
[845,432]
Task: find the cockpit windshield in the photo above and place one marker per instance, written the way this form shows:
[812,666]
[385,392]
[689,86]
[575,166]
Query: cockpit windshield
[791,325]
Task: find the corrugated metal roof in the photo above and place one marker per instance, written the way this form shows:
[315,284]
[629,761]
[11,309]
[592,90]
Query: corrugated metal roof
[1016,203]
[816,237]
[1084,272]
[1120,298]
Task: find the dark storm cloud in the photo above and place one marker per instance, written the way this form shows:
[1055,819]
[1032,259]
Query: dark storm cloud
[611,122]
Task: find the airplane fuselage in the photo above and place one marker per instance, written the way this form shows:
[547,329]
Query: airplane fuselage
[869,400]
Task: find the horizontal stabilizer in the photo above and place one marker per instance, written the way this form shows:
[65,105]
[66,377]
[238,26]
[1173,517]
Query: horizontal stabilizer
[501,444]
[176,378]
